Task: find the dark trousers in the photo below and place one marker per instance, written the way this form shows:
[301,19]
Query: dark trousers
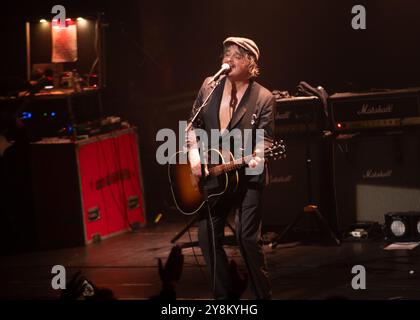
[247,203]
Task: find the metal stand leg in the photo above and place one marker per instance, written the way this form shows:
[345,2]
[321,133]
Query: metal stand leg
[189,225]
[309,209]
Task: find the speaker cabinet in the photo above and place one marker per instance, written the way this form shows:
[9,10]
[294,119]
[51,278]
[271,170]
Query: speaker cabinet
[291,187]
[376,174]
[86,190]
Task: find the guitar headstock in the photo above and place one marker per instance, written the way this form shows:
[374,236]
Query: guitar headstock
[276,151]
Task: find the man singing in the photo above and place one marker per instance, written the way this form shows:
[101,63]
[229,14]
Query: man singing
[238,103]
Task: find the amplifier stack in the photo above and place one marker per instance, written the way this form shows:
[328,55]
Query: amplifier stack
[364,168]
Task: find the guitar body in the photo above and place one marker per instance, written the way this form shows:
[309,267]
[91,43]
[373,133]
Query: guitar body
[188,191]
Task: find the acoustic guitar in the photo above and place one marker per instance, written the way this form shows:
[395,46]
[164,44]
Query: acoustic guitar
[223,178]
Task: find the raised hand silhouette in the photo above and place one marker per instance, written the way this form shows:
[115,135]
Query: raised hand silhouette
[170,274]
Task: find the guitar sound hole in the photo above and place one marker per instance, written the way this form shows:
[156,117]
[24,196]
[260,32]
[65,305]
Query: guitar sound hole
[212,183]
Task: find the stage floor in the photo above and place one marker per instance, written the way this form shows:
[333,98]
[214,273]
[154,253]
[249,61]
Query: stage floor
[127,264]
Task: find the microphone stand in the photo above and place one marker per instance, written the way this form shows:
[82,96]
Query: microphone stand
[214,86]
[311,207]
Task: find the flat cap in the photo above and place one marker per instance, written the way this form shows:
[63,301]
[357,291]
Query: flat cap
[245,43]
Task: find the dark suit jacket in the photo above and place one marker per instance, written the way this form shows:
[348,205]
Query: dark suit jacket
[255,111]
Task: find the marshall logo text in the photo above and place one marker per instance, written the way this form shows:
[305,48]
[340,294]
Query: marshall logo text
[371,173]
[283,115]
[281,179]
[367,109]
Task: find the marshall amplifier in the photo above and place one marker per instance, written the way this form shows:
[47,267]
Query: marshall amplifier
[386,109]
[375,174]
[291,187]
[298,115]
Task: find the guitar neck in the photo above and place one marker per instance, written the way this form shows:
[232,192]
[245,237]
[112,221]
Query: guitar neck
[230,166]
[278,151]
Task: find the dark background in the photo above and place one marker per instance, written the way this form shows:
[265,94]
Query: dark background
[158,52]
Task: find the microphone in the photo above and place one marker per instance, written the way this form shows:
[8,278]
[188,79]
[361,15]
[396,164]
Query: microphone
[224,69]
